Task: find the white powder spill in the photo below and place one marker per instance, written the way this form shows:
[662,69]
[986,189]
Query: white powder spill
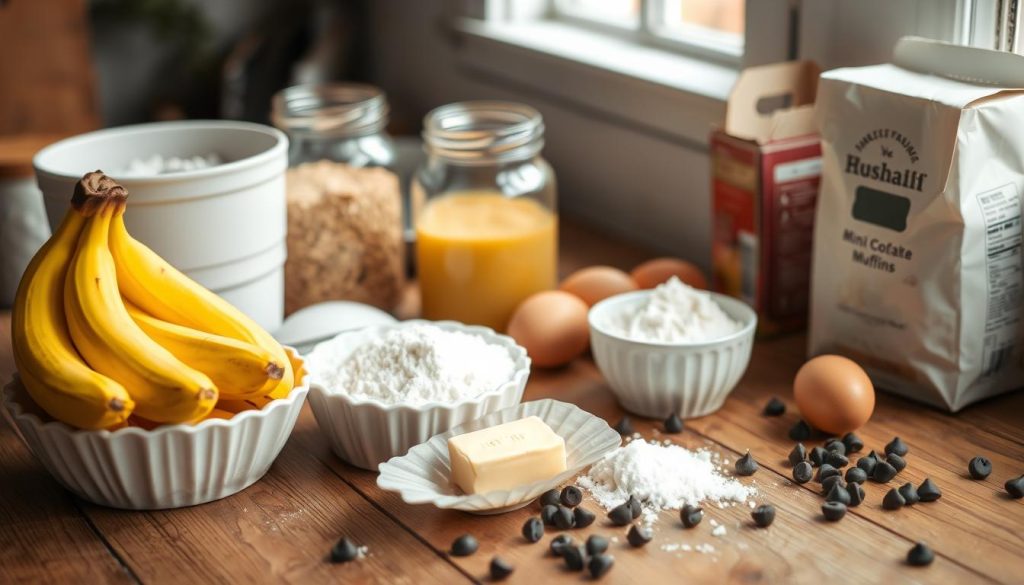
[675,313]
[718,531]
[661,477]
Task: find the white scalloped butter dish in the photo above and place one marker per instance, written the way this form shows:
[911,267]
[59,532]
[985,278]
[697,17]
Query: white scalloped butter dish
[422,476]
[171,466]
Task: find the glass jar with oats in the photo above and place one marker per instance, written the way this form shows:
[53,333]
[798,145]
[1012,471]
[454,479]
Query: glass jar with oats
[484,211]
[345,236]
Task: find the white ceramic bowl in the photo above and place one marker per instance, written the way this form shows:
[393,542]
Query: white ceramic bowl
[169,467]
[366,432]
[654,379]
[235,213]
[423,475]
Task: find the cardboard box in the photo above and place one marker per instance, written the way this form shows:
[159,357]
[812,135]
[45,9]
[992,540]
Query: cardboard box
[766,169]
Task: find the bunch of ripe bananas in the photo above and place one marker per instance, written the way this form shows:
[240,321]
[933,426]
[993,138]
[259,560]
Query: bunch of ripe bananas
[103,329]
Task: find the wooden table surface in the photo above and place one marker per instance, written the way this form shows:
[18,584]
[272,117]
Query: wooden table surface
[281,529]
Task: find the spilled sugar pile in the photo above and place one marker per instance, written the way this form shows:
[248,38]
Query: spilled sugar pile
[662,477]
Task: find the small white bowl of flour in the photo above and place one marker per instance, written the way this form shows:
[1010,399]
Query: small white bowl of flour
[380,390]
[672,349]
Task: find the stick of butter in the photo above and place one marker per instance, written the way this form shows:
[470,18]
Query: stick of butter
[505,456]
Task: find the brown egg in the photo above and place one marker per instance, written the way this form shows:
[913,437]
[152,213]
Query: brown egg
[654,272]
[834,394]
[552,326]
[596,283]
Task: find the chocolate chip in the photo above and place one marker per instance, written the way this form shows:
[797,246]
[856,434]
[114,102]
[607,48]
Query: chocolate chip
[979,467]
[582,517]
[920,555]
[853,443]
[559,544]
[547,514]
[639,535]
[620,515]
[571,496]
[798,454]
[691,515]
[624,427]
[500,569]
[893,500]
[763,515]
[774,407]
[817,456]
[575,557]
[868,463]
[898,463]
[634,506]
[825,471]
[856,494]
[856,475]
[831,481]
[596,544]
[838,494]
[883,472]
[599,565]
[803,472]
[836,446]
[801,431]
[896,446]
[746,465]
[563,518]
[833,511]
[1015,487]
[673,424]
[550,498]
[928,491]
[909,493]
[836,459]
[533,529]
[344,551]
[464,546]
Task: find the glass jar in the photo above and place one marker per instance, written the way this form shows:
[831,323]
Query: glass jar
[485,213]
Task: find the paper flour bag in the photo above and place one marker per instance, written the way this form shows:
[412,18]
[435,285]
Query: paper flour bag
[917,246]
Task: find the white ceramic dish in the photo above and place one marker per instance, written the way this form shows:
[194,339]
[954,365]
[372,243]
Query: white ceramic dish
[653,379]
[169,467]
[366,432]
[234,214]
[422,475]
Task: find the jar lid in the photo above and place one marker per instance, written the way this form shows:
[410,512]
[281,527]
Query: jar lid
[17,151]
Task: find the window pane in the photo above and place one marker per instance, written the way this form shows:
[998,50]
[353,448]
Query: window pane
[720,19]
[626,12]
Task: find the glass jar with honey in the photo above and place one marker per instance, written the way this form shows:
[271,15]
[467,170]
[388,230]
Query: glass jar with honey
[484,206]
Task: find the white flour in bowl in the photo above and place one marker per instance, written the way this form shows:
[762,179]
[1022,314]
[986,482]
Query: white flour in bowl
[420,364]
[675,313]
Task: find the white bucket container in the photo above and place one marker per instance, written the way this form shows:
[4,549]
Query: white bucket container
[224,226]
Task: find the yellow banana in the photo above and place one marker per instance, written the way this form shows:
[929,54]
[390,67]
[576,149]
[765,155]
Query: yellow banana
[235,406]
[164,389]
[240,370]
[55,375]
[159,289]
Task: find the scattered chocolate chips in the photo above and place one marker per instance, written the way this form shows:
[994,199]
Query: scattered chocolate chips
[344,551]
[856,475]
[563,518]
[817,456]
[620,515]
[571,496]
[897,461]
[550,498]
[928,491]
[624,426]
[853,443]
[920,555]
[836,446]
[839,494]
[868,462]
[774,407]
[500,569]
[979,467]
[575,557]
[464,546]
[897,446]
[582,517]
[798,454]
[836,459]
[673,424]
[883,472]
[746,465]
[801,431]
[533,529]
[599,565]
[833,511]
[691,515]
[856,494]
[596,544]
[1015,487]
[825,471]
[634,506]
[639,535]
[547,514]
[803,472]
[763,515]
[831,481]
[909,493]
[559,544]
[893,500]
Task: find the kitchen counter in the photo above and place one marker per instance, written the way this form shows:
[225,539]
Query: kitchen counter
[282,528]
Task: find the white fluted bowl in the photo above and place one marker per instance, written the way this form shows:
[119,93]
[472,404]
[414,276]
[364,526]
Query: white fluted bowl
[655,379]
[171,466]
[366,432]
[423,475]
